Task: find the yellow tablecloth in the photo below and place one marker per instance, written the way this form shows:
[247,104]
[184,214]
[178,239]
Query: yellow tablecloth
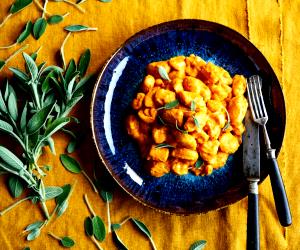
[273,26]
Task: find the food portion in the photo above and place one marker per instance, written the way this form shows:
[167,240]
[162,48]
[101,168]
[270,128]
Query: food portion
[188,116]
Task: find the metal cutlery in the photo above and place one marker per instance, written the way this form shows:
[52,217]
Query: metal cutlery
[260,116]
[251,169]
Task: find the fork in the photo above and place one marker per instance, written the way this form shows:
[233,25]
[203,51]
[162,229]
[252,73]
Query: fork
[260,116]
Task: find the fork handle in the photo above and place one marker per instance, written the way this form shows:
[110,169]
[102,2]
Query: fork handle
[280,197]
[253,218]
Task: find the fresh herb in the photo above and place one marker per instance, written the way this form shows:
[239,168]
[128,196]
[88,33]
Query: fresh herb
[196,122]
[105,1]
[84,62]
[97,231]
[163,73]
[169,105]
[72,145]
[182,131]
[78,28]
[199,163]
[143,228]
[164,145]
[228,121]
[198,245]
[55,19]
[193,105]
[18,5]
[4,62]
[64,241]
[15,186]
[73,166]
[39,28]
[26,248]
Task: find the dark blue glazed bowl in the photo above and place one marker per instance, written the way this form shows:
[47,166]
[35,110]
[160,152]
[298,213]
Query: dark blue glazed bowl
[119,82]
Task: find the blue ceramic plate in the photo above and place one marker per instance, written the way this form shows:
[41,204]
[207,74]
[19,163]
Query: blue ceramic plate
[119,82]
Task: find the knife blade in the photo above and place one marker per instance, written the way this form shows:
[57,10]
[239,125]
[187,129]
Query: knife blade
[251,169]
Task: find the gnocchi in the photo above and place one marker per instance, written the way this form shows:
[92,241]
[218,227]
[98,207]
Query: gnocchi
[190,118]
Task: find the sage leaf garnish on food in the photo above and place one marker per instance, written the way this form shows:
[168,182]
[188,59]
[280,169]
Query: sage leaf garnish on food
[199,163]
[64,241]
[78,28]
[15,186]
[228,121]
[164,145]
[198,245]
[196,122]
[163,73]
[193,105]
[39,28]
[143,228]
[182,131]
[169,105]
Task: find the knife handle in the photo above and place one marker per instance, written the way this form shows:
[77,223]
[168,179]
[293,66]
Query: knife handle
[280,197]
[252,219]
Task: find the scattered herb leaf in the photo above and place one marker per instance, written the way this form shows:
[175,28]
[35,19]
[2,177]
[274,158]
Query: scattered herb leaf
[39,28]
[67,242]
[198,245]
[52,192]
[55,19]
[70,163]
[19,5]
[34,226]
[72,145]
[115,226]
[163,73]
[78,28]
[25,33]
[98,228]
[88,226]
[33,234]
[106,195]
[105,1]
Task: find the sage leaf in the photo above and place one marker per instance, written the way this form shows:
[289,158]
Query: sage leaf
[34,226]
[38,119]
[199,163]
[196,122]
[88,226]
[70,163]
[72,145]
[10,158]
[25,33]
[228,121]
[39,28]
[115,226]
[61,209]
[169,105]
[2,64]
[120,245]
[26,248]
[23,120]
[98,228]
[78,28]
[15,186]
[83,85]
[12,106]
[105,1]
[193,105]
[182,131]
[84,61]
[34,234]
[6,127]
[2,104]
[67,242]
[198,245]
[19,74]
[51,145]
[71,69]
[55,19]
[33,69]
[142,227]
[164,145]
[163,73]
[52,192]
[19,5]
[63,196]
[106,195]
[56,125]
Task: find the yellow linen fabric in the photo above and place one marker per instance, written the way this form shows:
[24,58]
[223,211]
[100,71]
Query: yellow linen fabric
[273,26]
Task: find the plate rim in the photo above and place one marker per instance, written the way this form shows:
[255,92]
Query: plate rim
[198,23]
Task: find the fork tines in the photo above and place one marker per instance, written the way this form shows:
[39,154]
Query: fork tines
[256,101]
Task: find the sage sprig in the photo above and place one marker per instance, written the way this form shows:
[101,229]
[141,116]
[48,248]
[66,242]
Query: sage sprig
[73,166]
[198,245]
[65,241]
[169,105]
[143,228]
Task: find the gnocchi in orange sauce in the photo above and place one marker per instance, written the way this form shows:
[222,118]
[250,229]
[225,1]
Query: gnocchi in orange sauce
[188,116]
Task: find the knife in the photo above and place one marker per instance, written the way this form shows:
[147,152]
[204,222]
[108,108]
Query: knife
[251,169]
